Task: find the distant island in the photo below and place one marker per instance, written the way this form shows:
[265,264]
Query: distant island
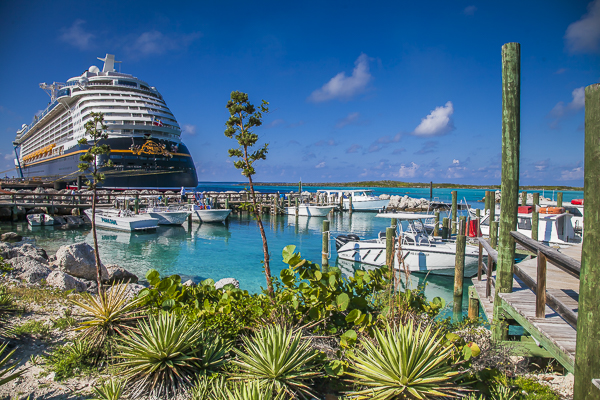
[399,184]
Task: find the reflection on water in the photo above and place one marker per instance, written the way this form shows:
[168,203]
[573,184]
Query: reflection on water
[226,250]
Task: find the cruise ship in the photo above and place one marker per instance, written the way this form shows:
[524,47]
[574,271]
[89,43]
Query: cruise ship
[143,135]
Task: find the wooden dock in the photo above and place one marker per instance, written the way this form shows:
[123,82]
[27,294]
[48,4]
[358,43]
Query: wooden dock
[553,332]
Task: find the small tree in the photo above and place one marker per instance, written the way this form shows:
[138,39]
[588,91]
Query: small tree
[244,117]
[96,130]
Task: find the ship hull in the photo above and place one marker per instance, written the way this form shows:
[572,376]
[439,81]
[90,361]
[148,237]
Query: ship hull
[149,164]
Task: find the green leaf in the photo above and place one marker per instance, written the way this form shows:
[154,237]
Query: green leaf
[352,316]
[164,284]
[208,282]
[168,304]
[318,275]
[153,277]
[342,301]
[348,338]
[288,253]
[335,368]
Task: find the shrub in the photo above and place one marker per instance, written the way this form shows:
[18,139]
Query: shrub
[404,362]
[167,353]
[33,327]
[278,359]
[73,359]
[107,314]
[110,390]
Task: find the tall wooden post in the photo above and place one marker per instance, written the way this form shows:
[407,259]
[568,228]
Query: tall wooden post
[535,217]
[430,190]
[394,222]
[487,201]
[136,204]
[494,234]
[350,204]
[493,206]
[436,225]
[454,206]
[511,132]
[559,199]
[523,198]
[478,214]
[587,361]
[459,275]
[462,225]
[445,228]
[325,250]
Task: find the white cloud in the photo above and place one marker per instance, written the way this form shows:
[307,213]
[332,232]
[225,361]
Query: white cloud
[320,165]
[345,87]
[470,10]
[576,104]
[455,161]
[408,172]
[354,148]
[438,122]
[349,119]
[76,36]
[189,129]
[583,36]
[275,123]
[9,156]
[571,174]
[156,43]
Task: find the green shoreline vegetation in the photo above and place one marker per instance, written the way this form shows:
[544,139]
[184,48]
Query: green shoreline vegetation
[399,184]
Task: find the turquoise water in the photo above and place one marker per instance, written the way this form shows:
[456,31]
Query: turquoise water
[235,249]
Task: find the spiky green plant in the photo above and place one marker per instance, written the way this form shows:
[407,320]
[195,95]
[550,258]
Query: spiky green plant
[72,359]
[406,362]
[110,390]
[107,314]
[167,353]
[7,309]
[207,388]
[7,366]
[253,390]
[279,358]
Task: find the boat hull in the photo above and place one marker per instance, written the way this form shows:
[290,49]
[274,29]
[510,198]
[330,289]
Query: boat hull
[309,211]
[437,258]
[170,217]
[131,171]
[212,215]
[113,221]
[366,205]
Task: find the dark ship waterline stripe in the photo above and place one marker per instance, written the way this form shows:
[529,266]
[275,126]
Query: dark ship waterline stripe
[85,151]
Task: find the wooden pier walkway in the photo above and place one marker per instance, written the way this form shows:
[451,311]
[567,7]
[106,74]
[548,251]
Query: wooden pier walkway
[556,330]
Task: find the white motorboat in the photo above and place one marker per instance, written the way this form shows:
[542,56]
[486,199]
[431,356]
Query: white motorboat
[122,220]
[208,214]
[306,210]
[419,251]
[362,199]
[167,215]
[40,219]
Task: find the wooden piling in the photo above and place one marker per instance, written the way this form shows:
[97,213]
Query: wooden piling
[587,362]
[136,204]
[473,304]
[394,222]
[478,215]
[494,234]
[325,249]
[559,199]
[462,225]
[350,204]
[445,228]
[189,221]
[487,201]
[459,275]
[454,207]
[523,198]
[540,291]
[511,130]
[535,217]
[436,226]
[492,206]
[430,190]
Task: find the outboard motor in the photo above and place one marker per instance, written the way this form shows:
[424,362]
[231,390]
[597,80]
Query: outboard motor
[343,239]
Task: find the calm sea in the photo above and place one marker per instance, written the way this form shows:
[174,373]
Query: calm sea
[235,249]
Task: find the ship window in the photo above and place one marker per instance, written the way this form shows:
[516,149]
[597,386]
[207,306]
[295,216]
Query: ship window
[127,83]
[115,156]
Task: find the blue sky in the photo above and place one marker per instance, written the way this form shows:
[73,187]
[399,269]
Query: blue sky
[396,90]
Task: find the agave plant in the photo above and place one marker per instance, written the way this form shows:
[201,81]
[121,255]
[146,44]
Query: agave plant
[110,390]
[106,314]
[167,353]
[406,362]
[7,308]
[252,391]
[279,359]
[7,367]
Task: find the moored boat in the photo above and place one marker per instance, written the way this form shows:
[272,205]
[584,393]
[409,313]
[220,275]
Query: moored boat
[309,210]
[40,219]
[122,220]
[362,199]
[209,214]
[167,215]
[420,252]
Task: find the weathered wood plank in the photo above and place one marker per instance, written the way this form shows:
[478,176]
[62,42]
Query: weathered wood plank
[555,257]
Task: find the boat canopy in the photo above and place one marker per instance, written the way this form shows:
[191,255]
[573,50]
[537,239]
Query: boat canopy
[405,216]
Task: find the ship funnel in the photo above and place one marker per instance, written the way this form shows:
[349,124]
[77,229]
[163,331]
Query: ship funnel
[109,63]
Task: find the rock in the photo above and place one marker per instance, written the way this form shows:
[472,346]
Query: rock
[23,263]
[118,274]
[35,274]
[384,196]
[78,260]
[189,283]
[63,281]
[11,237]
[226,281]
[24,250]
[92,286]
[131,290]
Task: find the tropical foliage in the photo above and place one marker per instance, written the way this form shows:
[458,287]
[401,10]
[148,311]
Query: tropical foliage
[7,367]
[404,362]
[278,359]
